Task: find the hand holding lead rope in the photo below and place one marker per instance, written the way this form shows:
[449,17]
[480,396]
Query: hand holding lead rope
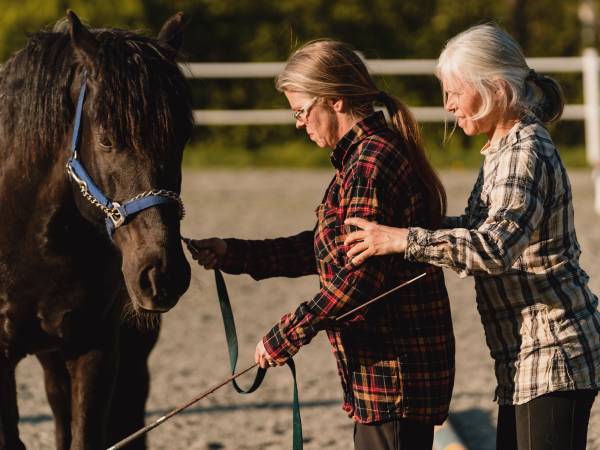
[261,356]
[207,252]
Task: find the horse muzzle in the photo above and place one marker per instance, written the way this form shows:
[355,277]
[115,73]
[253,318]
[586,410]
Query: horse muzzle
[154,266]
[158,290]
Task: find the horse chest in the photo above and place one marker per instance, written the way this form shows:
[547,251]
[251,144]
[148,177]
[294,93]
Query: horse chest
[55,310]
[21,331]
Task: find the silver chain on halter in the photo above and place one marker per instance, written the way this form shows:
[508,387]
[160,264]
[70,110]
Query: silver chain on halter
[114,213]
[162,193]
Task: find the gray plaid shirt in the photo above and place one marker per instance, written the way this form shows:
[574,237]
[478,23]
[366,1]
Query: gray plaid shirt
[517,238]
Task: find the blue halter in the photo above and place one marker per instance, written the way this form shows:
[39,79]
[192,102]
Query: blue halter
[116,213]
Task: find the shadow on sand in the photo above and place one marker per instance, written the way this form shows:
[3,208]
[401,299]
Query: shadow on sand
[39,418]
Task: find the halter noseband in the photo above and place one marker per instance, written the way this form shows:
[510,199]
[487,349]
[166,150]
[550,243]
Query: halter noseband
[116,213]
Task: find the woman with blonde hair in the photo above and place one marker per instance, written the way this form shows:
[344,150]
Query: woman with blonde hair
[517,239]
[395,358]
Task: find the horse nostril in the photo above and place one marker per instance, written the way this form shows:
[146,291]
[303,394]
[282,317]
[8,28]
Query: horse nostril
[159,288]
[149,280]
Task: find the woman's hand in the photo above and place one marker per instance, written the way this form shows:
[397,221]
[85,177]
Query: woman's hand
[208,252]
[373,239]
[261,357]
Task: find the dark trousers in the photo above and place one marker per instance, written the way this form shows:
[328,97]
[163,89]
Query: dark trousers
[555,421]
[397,434]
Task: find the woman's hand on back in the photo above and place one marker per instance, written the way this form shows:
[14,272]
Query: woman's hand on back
[208,252]
[373,240]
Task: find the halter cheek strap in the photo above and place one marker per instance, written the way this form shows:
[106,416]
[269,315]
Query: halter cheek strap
[116,213]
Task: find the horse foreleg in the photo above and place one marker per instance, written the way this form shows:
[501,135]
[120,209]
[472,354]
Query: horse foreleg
[58,391]
[92,383]
[9,413]
[129,401]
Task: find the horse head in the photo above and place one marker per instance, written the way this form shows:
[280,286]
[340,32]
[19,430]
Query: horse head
[130,131]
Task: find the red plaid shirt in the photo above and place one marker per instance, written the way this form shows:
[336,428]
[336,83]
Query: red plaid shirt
[396,357]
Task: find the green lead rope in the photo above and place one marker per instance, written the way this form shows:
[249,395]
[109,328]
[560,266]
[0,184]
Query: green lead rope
[232,346]
[231,335]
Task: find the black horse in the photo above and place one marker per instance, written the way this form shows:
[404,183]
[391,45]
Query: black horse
[65,282]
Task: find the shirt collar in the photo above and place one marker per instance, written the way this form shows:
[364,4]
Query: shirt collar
[511,137]
[359,131]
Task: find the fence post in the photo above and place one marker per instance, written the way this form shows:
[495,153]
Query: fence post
[591,97]
[596,179]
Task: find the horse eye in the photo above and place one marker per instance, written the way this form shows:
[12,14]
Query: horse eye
[105,141]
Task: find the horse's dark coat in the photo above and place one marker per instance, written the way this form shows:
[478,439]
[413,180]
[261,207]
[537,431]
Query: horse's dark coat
[63,283]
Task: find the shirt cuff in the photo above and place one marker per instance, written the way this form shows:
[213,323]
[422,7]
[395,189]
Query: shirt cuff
[277,345]
[416,244]
[234,261]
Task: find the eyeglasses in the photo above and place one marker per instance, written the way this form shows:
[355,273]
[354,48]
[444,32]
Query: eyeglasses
[303,111]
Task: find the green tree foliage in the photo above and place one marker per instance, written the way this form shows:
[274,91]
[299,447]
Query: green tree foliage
[20,17]
[269,30]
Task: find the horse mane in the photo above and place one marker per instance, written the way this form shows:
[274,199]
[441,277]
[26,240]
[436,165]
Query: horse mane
[141,95]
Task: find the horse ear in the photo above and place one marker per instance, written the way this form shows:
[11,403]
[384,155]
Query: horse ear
[84,42]
[171,32]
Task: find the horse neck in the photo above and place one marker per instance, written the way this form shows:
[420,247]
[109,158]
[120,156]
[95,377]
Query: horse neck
[31,189]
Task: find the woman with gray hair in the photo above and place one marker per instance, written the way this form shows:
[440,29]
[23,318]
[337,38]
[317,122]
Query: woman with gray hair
[517,239]
[396,357]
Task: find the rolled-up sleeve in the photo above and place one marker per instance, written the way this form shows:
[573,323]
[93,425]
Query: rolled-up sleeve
[516,206]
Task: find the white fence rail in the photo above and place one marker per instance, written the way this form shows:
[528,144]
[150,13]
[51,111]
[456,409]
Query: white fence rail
[377,67]
[588,65]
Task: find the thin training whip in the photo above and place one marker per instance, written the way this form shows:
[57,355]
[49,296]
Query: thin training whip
[142,431]
[206,393]
[400,286]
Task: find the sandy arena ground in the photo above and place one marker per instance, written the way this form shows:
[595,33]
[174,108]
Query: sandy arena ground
[191,355]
